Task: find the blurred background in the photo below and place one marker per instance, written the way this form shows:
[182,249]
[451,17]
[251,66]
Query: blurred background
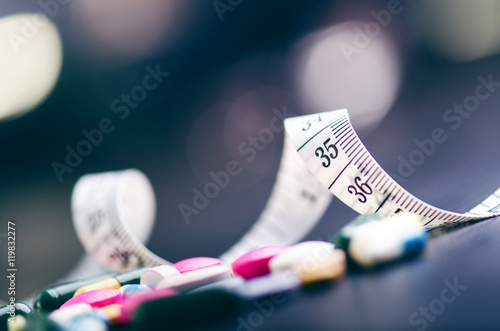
[216,70]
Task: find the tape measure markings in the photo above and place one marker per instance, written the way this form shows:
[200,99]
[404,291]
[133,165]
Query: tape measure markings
[355,173]
[328,156]
[332,121]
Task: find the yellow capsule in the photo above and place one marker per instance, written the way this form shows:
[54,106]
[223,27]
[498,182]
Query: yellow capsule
[109,283]
[330,267]
[112,312]
[17,324]
[115,282]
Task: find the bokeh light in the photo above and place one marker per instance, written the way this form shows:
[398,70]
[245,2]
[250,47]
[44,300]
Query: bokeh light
[350,65]
[253,128]
[222,134]
[124,30]
[460,30]
[30,62]
[247,127]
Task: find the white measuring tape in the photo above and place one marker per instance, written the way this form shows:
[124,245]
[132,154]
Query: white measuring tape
[114,212]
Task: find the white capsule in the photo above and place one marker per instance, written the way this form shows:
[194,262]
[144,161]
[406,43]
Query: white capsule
[311,261]
[385,240]
[64,315]
[301,253]
[151,277]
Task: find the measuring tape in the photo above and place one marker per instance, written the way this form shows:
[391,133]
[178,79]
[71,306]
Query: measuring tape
[114,212]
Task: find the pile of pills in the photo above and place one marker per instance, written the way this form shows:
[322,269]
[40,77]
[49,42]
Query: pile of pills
[170,295]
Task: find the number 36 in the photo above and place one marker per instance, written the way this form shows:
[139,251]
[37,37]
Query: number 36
[361,189]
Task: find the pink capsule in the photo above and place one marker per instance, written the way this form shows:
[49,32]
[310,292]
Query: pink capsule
[255,263]
[96,298]
[192,279]
[195,263]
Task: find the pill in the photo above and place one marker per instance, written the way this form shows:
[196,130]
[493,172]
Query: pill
[87,322]
[53,297]
[131,304]
[121,289]
[132,290]
[187,311]
[301,253]
[255,262]
[312,261]
[11,310]
[195,263]
[63,315]
[115,282]
[96,298]
[343,236]
[192,279]
[332,267]
[153,276]
[17,323]
[267,285]
[390,239]
[112,313]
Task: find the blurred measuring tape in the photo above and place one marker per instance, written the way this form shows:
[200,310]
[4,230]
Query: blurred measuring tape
[114,212]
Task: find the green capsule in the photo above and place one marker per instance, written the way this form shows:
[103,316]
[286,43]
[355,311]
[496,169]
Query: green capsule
[343,236]
[10,311]
[52,298]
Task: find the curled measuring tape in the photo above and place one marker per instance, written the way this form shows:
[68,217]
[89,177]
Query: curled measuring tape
[114,212]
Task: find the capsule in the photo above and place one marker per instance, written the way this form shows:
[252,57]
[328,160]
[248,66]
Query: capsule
[388,240]
[312,261]
[10,311]
[343,236]
[153,276]
[131,290]
[64,315]
[196,278]
[114,282]
[54,297]
[195,263]
[89,321]
[255,263]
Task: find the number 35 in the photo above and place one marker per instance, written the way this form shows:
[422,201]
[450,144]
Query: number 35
[320,152]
